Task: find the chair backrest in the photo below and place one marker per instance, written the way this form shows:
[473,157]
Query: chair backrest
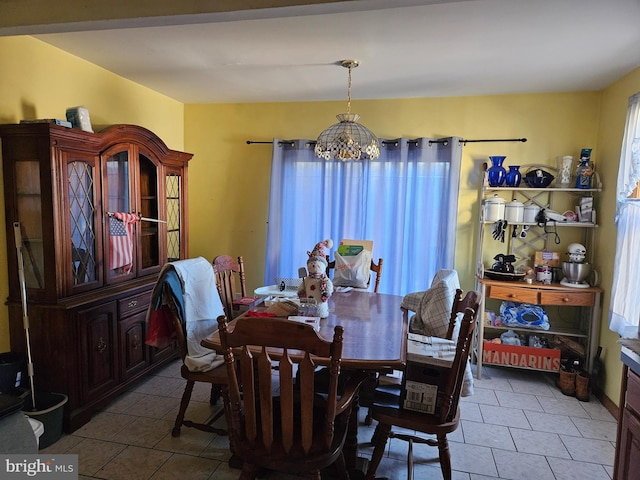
[456,309]
[433,306]
[230,275]
[268,422]
[451,394]
[375,267]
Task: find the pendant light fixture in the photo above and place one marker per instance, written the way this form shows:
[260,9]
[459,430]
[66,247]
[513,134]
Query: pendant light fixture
[347,140]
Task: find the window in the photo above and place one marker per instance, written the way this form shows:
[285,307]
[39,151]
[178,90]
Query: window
[624,312]
[405,201]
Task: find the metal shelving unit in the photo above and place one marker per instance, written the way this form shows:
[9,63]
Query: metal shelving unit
[580,323]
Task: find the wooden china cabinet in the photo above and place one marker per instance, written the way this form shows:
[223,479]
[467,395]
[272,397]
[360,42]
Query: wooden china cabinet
[88,284]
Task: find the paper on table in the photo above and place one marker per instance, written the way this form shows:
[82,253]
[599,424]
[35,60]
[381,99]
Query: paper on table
[315,321]
[343,289]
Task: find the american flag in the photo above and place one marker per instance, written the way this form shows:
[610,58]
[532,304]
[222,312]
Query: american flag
[121,240]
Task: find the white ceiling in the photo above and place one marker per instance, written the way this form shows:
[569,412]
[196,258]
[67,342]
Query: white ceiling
[438,48]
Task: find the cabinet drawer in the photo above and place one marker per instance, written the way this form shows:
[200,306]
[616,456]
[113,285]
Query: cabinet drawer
[514,294]
[584,299]
[134,304]
[633,392]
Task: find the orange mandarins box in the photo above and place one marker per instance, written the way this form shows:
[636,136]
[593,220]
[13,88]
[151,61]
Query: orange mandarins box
[547,359]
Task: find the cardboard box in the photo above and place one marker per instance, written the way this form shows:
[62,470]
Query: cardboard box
[585,210]
[547,359]
[429,361]
[422,387]
[551,259]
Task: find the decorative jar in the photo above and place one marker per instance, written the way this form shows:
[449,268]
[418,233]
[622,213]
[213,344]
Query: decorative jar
[565,167]
[513,177]
[494,208]
[514,212]
[496,173]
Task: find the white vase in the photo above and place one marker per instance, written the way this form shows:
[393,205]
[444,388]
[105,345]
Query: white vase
[565,168]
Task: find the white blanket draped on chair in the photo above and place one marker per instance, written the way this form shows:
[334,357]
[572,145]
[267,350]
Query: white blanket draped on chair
[202,306]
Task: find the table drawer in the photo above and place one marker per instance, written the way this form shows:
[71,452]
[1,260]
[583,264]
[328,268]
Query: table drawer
[578,299]
[134,304]
[521,295]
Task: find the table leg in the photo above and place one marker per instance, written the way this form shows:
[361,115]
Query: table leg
[356,465]
[350,449]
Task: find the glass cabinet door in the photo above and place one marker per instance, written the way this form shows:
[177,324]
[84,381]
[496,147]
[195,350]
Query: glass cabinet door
[29,211]
[132,202]
[151,225]
[81,203]
[121,219]
[173,187]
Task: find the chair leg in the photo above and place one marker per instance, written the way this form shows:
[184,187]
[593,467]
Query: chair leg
[368,420]
[180,421]
[445,456]
[410,460]
[215,394]
[184,403]
[381,435]
[249,471]
[341,468]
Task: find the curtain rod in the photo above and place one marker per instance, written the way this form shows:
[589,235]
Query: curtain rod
[495,140]
[392,142]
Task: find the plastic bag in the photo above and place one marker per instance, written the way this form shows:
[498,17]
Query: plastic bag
[161,331]
[524,315]
[353,270]
[510,338]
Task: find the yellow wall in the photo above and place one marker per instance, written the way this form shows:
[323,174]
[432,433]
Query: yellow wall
[229,180]
[39,81]
[611,129]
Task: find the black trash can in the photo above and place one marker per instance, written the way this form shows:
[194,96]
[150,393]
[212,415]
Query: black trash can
[11,365]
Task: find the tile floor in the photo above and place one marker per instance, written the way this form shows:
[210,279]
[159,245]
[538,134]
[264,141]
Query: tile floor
[516,426]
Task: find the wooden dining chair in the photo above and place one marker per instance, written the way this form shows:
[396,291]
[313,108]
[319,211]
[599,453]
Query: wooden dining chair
[447,416]
[375,267]
[389,386]
[217,377]
[274,423]
[230,276]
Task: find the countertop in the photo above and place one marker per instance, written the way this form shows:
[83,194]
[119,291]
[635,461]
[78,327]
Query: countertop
[630,353]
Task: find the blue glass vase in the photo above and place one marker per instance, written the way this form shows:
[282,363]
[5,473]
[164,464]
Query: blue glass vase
[513,177]
[496,173]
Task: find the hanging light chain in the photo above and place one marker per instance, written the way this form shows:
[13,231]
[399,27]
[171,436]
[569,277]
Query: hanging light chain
[349,89]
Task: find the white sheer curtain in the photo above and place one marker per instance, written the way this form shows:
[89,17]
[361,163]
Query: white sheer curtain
[624,312]
[406,201]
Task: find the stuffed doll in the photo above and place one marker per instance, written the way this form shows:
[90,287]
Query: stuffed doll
[317,284]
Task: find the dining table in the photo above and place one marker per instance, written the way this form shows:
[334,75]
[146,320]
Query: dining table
[375,340]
